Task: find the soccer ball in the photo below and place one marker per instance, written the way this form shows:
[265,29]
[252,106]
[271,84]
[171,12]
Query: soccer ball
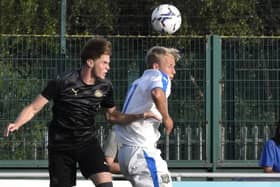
[166,18]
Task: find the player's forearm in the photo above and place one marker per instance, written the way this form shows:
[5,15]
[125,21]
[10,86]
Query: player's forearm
[121,118]
[162,108]
[160,101]
[31,110]
[25,115]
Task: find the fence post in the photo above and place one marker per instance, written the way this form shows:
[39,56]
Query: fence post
[63,13]
[213,98]
[62,57]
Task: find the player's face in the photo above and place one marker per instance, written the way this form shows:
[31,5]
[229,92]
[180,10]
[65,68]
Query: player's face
[167,65]
[101,66]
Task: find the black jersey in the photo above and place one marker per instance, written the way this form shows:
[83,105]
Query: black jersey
[75,107]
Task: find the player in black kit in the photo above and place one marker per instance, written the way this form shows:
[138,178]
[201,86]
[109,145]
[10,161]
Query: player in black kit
[77,97]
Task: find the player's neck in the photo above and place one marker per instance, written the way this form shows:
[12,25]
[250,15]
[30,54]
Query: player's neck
[86,75]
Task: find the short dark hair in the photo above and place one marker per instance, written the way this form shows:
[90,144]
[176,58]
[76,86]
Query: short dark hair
[94,48]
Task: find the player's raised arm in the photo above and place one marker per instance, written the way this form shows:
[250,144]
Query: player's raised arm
[26,114]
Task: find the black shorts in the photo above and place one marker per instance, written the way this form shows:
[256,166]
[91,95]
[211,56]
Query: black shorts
[62,164]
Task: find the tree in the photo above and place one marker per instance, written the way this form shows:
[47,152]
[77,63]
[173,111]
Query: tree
[91,16]
[29,17]
[269,11]
[200,17]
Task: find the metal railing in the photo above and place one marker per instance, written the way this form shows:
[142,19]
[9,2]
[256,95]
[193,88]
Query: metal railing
[177,176]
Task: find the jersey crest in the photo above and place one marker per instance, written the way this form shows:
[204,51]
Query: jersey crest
[98,93]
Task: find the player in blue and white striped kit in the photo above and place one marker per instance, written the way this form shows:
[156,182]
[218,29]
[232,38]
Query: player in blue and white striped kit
[139,158]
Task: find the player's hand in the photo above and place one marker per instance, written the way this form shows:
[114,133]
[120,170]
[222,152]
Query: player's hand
[148,115]
[168,122]
[10,128]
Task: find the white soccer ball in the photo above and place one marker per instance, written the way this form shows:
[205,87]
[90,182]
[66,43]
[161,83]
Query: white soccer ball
[166,18]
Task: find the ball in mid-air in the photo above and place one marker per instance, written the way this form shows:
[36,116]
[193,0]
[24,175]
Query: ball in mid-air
[166,18]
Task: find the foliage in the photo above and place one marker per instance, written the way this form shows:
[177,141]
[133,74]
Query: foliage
[16,92]
[200,17]
[29,17]
[269,12]
[20,82]
[229,17]
[91,17]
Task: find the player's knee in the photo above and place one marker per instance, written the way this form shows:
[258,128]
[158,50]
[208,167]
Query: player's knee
[105,184]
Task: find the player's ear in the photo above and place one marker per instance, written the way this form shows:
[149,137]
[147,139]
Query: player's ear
[155,66]
[90,63]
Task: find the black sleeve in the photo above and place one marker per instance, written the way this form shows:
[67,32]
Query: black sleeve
[51,90]
[108,101]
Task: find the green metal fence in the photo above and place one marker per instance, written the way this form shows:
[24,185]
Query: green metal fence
[250,95]
[224,97]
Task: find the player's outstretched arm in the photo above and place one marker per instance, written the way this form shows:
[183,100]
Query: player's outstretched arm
[114,116]
[26,114]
